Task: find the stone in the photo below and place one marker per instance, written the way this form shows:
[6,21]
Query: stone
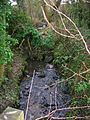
[49,66]
[12,114]
[41,75]
[26,93]
[55,77]
[27,87]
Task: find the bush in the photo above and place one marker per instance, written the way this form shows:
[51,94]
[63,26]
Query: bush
[6,41]
[71,58]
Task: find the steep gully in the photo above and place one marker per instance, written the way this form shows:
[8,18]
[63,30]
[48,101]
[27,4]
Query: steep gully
[46,94]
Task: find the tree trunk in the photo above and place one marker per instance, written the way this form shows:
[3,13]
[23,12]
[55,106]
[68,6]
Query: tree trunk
[1,70]
[25,5]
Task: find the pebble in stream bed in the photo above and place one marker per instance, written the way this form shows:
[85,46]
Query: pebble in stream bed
[45,96]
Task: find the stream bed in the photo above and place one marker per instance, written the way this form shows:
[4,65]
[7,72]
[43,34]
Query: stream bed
[47,94]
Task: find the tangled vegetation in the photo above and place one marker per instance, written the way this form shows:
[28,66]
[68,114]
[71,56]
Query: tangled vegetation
[72,59]
[70,55]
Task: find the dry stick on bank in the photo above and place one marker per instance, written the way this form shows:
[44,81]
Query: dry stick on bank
[69,78]
[88,70]
[78,74]
[63,81]
[30,90]
[73,118]
[49,116]
[50,102]
[59,12]
[56,98]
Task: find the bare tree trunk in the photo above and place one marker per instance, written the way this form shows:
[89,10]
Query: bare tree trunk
[26,6]
[33,8]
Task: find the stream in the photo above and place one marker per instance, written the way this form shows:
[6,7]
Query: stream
[47,93]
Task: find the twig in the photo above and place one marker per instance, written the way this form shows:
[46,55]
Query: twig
[84,65]
[17,27]
[56,98]
[53,26]
[29,44]
[63,21]
[58,82]
[30,90]
[43,118]
[69,108]
[50,102]
[73,117]
[21,43]
[29,47]
[75,73]
[85,72]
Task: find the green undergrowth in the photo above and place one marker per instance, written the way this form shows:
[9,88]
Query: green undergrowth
[69,55]
[10,87]
[73,61]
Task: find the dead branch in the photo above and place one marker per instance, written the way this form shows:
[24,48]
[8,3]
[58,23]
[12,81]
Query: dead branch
[85,72]
[49,116]
[63,21]
[59,12]
[73,117]
[50,96]
[51,26]
[70,108]
[56,97]
[30,90]
[21,43]
[58,82]
[78,74]
[43,118]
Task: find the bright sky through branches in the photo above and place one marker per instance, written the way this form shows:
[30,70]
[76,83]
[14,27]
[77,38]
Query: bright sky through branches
[13,2]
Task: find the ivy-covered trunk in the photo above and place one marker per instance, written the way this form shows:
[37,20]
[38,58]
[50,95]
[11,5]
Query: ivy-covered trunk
[1,70]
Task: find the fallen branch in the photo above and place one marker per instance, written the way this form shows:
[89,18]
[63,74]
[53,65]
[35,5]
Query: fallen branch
[49,116]
[78,74]
[21,43]
[70,108]
[30,90]
[73,117]
[85,72]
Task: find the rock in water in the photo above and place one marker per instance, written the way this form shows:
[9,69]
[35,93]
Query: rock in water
[41,74]
[49,66]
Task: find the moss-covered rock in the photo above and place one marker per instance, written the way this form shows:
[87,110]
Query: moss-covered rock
[12,114]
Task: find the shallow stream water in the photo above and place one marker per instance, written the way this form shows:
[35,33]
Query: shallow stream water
[47,93]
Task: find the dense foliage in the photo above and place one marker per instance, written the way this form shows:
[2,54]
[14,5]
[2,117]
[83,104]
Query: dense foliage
[6,41]
[72,59]
[70,56]
[16,31]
